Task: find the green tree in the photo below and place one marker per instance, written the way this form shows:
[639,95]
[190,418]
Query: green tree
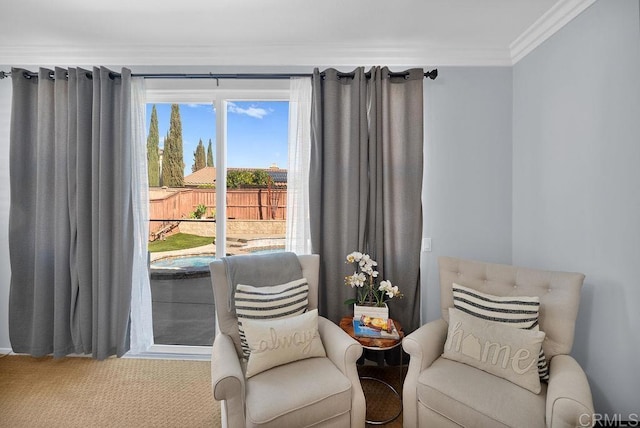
[172,159]
[210,154]
[244,178]
[238,178]
[260,178]
[153,155]
[199,159]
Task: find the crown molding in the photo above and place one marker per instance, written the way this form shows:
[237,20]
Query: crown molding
[546,26]
[256,55]
[318,55]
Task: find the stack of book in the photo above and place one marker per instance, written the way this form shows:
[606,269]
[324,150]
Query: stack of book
[375,327]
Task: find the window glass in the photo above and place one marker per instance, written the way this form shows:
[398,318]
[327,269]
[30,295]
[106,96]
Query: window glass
[184,217]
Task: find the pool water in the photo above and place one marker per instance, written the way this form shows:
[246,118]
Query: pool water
[197,261]
[184,262]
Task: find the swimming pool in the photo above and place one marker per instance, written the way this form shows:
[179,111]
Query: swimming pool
[191,265]
[182,262]
[181,267]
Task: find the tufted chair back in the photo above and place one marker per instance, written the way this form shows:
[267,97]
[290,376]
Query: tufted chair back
[227,318]
[559,294]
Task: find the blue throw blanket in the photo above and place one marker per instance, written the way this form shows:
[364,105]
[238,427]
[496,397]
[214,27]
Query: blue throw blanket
[260,270]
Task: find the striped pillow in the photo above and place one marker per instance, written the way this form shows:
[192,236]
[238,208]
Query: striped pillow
[269,303]
[517,311]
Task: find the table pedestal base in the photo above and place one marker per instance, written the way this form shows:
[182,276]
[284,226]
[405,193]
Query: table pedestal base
[396,394]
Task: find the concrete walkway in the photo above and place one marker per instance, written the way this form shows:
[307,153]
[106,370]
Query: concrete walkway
[206,249]
[235,245]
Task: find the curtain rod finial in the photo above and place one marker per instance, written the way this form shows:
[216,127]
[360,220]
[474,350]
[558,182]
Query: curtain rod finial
[432,74]
[4,74]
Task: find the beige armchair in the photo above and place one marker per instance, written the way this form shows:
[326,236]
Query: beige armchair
[321,391]
[441,392]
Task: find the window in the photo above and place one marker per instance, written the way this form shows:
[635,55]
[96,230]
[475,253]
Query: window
[236,135]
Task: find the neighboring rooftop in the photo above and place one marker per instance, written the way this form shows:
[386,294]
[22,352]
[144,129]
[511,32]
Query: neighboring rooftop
[202,177]
[207,175]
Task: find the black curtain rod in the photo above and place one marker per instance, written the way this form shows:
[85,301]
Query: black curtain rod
[432,74]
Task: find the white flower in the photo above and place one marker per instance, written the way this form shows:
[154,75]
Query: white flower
[354,257]
[356,280]
[365,277]
[389,289]
[361,279]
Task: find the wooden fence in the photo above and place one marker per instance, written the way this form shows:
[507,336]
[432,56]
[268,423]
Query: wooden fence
[242,204]
[257,204]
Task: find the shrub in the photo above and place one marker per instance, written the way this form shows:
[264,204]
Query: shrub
[199,211]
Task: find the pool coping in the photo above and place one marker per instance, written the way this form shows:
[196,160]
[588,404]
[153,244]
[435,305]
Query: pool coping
[160,274]
[199,272]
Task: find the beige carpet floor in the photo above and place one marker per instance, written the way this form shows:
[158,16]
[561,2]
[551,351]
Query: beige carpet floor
[117,392]
[82,392]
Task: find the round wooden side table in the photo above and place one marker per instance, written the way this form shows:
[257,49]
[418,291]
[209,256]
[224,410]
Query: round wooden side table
[378,345]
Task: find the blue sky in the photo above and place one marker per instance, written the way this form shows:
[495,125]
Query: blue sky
[257,131]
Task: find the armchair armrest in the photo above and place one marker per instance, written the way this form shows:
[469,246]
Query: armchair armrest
[226,374]
[341,349]
[424,346]
[344,352]
[569,400]
[227,380]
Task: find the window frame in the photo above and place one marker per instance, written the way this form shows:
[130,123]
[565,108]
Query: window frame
[216,92]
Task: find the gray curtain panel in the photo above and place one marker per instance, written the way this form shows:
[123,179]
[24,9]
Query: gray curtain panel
[337,181]
[70,224]
[366,183]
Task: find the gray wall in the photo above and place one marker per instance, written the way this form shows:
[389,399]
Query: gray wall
[5,274]
[467,187]
[576,185]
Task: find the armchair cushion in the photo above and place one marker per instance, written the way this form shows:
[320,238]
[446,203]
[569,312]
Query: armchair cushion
[474,398]
[260,269]
[504,351]
[281,341]
[301,393]
[269,303]
[517,311]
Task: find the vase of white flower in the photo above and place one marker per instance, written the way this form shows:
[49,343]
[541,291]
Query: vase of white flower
[371,311]
[371,297]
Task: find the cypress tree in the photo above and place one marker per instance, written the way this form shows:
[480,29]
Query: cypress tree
[166,159]
[199,160]
[173,174]
[153,156]
[210,154]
